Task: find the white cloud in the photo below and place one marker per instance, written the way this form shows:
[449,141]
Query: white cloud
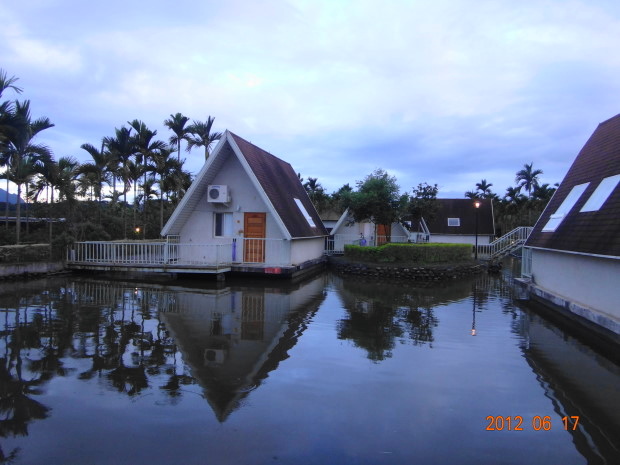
[448,92]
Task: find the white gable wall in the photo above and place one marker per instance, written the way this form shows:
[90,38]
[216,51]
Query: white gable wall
[200,227]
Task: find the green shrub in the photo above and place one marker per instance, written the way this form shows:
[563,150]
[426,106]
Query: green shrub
[415,253]
[24,253]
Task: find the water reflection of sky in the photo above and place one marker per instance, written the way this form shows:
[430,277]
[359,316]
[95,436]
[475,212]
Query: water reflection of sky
[330,370]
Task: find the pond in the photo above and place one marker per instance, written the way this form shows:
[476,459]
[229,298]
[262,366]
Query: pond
[332,369]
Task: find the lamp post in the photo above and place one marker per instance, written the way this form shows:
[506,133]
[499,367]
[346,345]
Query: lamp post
[473,321]
[477,207]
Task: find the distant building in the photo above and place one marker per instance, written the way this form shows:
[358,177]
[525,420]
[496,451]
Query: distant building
[458,221]
[348,231]
[572,257]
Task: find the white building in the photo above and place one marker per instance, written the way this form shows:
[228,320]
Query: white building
[572,257]
[254,205]
[348,231]
[459,221]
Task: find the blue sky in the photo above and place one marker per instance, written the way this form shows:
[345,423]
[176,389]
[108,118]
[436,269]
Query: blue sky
[447,92]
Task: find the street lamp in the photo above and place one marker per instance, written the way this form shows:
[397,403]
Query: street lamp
[477,207]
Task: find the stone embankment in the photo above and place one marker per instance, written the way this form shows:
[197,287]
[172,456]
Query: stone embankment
[29,270]
[405,272]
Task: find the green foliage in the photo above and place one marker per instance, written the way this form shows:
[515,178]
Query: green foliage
[423,202]
[377,199]
[410,253]
[60,244]
[24,253]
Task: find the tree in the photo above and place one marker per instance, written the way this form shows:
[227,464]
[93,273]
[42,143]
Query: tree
[200,135]
[484,188]
[21,150]
[163,165]
[144,144]
[100,167]
[339,199]
[527,178]
[377,199]
[423,202]
[122,148]
[176,124]
[6,110]
[316,193]
[472,195]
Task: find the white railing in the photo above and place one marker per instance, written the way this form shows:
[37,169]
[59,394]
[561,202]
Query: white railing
[252,251]
[335,244]
[264,250]
[505,244]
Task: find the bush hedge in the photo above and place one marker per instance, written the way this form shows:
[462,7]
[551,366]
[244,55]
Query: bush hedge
[414,253]
[24,253]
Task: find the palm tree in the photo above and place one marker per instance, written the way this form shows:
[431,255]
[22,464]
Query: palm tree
[122,147]
[528,178]
[21,150]
[6,109]
[200,135]
[135,172]
[68,172]
[176,124]
[543,193]
[484,187]
[99,171]
[472,195]
[145,145]
[99,167]
[162,166]
[147,193]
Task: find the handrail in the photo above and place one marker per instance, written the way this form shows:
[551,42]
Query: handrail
[274,252]
[507,243]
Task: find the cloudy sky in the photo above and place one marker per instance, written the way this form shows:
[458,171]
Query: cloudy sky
[442,91]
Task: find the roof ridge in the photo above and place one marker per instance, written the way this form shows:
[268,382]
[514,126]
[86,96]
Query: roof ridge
[257,147]
[609,119]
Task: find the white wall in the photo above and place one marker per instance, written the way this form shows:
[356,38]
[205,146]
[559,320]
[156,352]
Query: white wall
[460,239]
[199,228]
[588,281]
[303,250]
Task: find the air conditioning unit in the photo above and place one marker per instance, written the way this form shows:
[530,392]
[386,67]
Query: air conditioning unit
[218,194]
[214,356]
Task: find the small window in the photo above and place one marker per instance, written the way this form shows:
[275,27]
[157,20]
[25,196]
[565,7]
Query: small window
[454,221]
[305,213]
[566,206]
[601,193]
[223,224]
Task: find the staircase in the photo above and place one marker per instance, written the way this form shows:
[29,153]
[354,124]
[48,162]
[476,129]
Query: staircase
[505,244]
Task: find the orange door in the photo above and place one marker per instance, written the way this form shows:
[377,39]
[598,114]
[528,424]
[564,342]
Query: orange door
[252,317]
[254,227]
[383,233]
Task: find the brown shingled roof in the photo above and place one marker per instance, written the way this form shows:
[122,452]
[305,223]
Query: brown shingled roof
[594,232]
[465,211]
[282,186]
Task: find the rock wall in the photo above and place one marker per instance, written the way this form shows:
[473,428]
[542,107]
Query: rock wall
[409,273]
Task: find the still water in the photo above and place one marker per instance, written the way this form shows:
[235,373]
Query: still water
[332,370]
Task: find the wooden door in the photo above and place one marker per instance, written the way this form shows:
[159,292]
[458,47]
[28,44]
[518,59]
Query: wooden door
[254,234]
[383,233]
[252,317]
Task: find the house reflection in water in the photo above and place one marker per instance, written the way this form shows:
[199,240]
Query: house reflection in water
[233,337]
[580,383]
